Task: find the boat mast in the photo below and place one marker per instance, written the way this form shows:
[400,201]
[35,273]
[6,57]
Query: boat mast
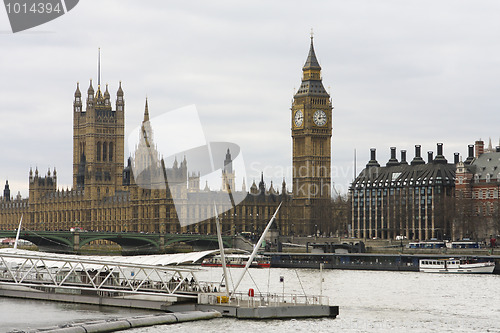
[255,249]
[221,249]
[18,232]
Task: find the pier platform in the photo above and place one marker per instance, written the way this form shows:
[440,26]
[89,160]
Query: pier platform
[165,288]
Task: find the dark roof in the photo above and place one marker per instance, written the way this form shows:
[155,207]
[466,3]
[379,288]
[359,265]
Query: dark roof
[486,166]
[430,174]
[312,61]
[312,87]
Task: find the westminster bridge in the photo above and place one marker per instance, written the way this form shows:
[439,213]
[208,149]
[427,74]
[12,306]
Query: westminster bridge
[131,242]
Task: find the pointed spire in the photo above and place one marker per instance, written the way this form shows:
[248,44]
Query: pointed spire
[228,165]
[77,91]
[120,91]
[90,91]
[311,76]
[146,111]
[106,93]
[262,185]
[312,61]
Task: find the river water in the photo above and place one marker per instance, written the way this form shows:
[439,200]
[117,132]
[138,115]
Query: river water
[369,301]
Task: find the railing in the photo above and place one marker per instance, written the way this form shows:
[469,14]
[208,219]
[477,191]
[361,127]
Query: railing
[263,299]
[43,272]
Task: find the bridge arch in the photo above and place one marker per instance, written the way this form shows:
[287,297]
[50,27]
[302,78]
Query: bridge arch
[131,244]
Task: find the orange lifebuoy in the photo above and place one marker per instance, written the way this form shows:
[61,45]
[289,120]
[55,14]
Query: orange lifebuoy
[251,292]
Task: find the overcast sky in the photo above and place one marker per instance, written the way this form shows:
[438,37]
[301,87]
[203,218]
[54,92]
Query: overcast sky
[400,73]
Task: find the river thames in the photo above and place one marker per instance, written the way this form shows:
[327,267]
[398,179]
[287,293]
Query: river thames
[369,301]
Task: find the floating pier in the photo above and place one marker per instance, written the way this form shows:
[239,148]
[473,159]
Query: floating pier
[74,279]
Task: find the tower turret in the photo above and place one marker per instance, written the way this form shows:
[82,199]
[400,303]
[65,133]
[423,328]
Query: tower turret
[90,96]
[77,104]
[120,103]
[228,176]
[6,191]
[106,97]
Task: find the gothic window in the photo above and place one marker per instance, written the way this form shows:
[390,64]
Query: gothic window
[111,151]
[104,151]
[98,151]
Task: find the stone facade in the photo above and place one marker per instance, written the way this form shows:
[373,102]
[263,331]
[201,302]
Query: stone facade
[107,196]
[311,120]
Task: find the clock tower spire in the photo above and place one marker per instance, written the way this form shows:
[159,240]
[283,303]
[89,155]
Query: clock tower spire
[311,135]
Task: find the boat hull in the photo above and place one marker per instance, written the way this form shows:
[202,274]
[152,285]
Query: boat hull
[473,270]
[456,266]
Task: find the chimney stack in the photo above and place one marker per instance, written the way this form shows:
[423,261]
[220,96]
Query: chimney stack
[439,156]
[470,158]
[403,157]
[373,160]
[479,148]
[456,158]
[393,161]
[417,159]
[429,156]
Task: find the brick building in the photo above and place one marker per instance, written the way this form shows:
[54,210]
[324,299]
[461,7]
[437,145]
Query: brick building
[477,188]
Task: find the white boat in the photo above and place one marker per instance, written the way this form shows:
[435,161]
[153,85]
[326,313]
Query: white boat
[456,265]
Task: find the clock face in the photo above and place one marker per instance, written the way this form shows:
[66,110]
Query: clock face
[298,118]
[319,117]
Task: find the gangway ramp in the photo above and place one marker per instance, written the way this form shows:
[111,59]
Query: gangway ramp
[102,280]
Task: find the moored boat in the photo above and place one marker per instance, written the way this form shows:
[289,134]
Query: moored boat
[456,265]
[237,260]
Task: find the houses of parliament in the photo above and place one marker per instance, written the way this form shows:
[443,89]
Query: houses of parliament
[106,195]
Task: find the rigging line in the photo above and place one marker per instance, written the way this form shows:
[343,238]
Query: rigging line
[300,282]
[255,283]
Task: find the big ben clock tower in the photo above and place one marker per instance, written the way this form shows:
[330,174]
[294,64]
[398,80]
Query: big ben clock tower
[311,136]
